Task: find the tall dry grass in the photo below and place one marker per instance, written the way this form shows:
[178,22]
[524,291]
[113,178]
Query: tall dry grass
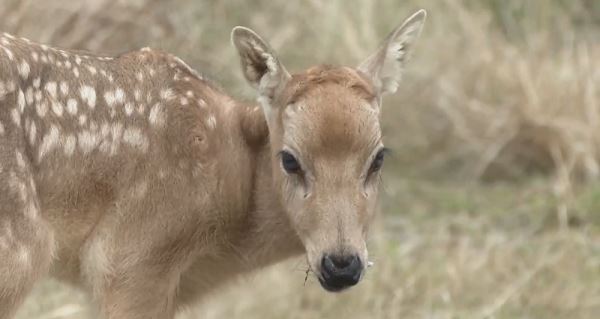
[497,88]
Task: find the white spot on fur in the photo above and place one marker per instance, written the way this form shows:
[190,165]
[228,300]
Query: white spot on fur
[64,88]
[23,69]
[167,94]
[69,145]
[31,210]
[114,97]
[32,133]
[11,86]
[82,119]
[29,95]
[92,69]
[20,160]
[72,106]
[211,122]
[36,82]
[128,109]
[49,142]
[116,132]
[16,118]
[3,90]
[51,88]
[88,141]
[76,72]
[38,95]
[41,108]
[157,115]
[2,129]
[134,137]
[57,108]
[21,101]
[23,254]
[88,95]
[9,53]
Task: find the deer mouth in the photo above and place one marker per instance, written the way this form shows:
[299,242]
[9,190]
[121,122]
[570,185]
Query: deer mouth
[333,286]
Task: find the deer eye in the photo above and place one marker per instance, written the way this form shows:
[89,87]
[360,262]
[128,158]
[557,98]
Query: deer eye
[289,163]
[377,162]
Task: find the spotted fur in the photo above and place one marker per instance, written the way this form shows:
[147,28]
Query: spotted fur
[138,180]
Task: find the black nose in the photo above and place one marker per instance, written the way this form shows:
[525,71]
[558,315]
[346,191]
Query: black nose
[340,271]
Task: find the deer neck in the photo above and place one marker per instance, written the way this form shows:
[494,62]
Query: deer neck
[268,236]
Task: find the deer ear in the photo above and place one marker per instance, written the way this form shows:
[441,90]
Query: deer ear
[384,67]
[259,62]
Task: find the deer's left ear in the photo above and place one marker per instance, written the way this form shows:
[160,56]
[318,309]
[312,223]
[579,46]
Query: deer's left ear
[260,64]
[384,67]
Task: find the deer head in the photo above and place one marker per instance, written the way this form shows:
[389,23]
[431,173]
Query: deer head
[326,145]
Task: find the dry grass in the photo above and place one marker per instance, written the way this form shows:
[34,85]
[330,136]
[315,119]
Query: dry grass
[440,252]
[491,200]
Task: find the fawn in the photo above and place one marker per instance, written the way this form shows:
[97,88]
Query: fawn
[138,180]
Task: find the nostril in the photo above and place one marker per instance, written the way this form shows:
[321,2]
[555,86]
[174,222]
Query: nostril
[342,262]
[327,264]
[338,263]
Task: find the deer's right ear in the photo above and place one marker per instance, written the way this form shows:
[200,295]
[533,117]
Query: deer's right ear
[384,66]
[260,65]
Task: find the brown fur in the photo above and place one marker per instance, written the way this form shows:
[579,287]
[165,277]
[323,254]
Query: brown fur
[138,180]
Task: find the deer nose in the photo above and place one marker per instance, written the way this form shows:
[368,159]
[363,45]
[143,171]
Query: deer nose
[340,271]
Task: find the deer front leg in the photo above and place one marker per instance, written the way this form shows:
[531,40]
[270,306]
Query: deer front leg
[139,292]
[130,283]
[134,259]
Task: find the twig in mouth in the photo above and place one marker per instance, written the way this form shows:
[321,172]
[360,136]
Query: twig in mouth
[306,278]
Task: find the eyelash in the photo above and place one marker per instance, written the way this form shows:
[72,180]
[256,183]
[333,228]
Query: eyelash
[377,162]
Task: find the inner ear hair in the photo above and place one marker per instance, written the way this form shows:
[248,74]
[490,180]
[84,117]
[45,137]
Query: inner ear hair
[254,59]
[260,65]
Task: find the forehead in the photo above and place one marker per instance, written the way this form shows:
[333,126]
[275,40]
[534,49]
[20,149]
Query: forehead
[330,112]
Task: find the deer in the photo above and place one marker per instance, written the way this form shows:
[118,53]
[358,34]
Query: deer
[144,184]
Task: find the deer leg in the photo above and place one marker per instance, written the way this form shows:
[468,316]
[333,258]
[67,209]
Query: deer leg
[139,292]
[132,263]
[127,284]
[26,241]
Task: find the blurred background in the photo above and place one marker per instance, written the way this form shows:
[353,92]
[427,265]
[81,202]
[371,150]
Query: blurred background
[491,198]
